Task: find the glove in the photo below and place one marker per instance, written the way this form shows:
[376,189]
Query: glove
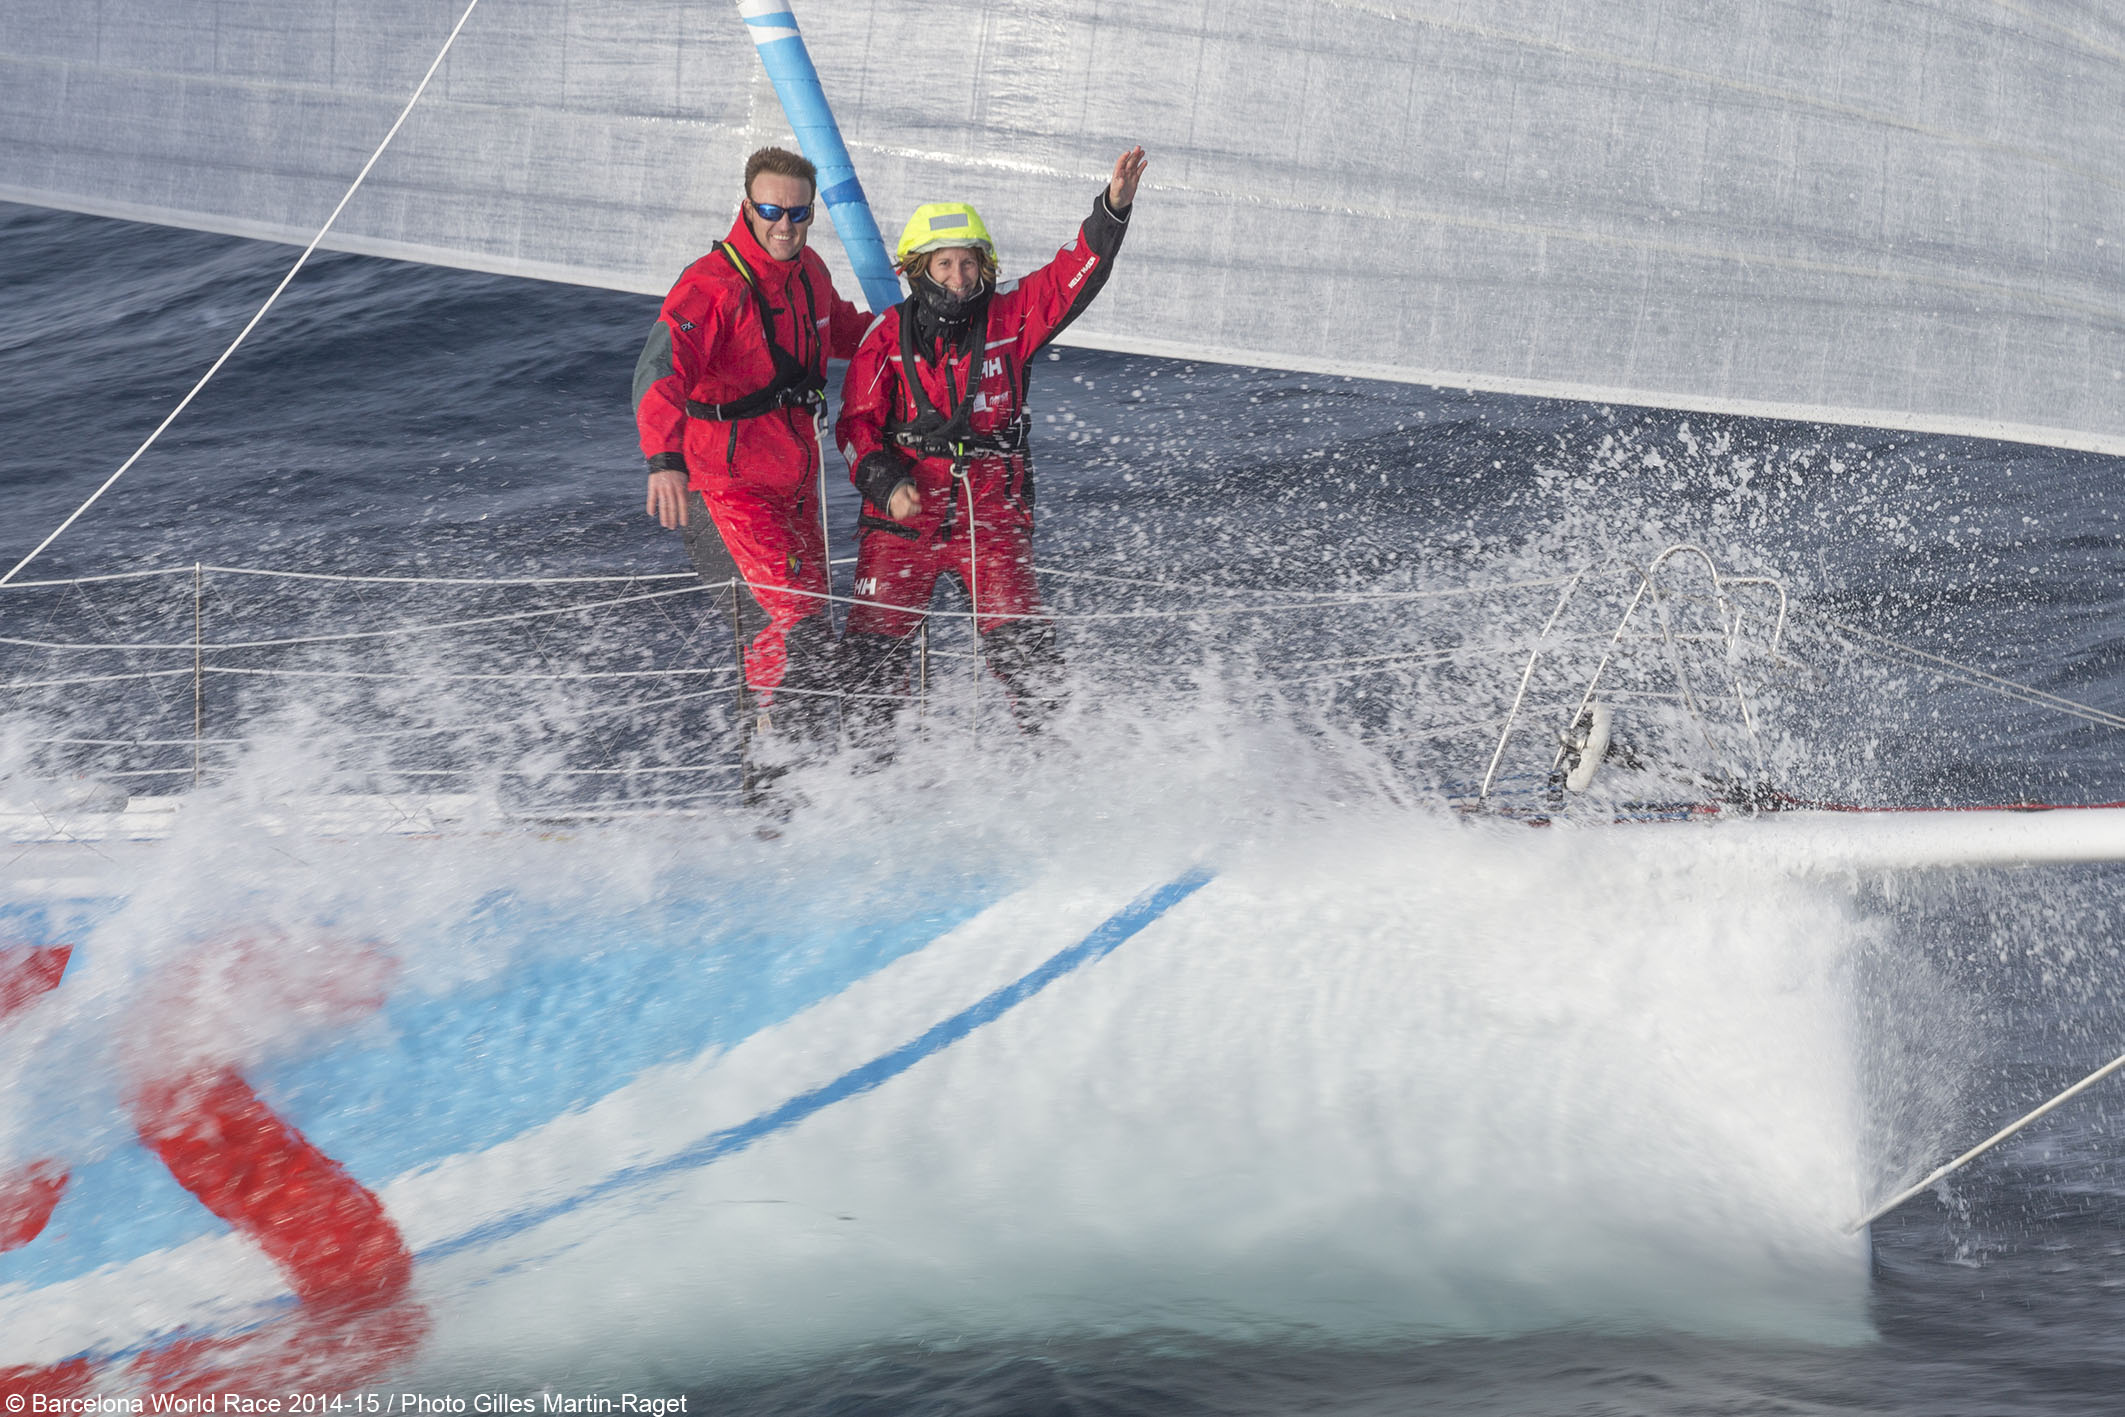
[879,474]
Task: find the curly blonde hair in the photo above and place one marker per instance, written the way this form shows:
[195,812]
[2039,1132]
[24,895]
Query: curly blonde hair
[918,262]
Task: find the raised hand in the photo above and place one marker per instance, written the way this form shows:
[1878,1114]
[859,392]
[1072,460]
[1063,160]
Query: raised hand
[1128,171]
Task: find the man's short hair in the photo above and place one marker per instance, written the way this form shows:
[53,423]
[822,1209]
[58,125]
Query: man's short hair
[783,163]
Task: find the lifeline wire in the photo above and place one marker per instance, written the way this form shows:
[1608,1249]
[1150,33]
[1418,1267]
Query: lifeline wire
[1986,1145]
[300,261]
[1972,676]
[2027,693]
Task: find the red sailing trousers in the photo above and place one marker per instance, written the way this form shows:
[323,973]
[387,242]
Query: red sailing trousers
[896,575]
[778,549]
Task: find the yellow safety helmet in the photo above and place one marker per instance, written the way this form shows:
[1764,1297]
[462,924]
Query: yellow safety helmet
[937,225]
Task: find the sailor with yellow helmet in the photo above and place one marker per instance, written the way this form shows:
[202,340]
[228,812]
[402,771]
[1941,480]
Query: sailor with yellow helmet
[933,425]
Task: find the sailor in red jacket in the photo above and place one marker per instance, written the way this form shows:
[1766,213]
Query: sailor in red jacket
[933,424]
[728,394]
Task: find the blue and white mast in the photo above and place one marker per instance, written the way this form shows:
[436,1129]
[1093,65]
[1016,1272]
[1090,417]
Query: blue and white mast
[789,66]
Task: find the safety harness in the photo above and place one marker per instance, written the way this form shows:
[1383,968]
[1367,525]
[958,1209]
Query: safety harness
[935,433]
[796,383]
[932,433]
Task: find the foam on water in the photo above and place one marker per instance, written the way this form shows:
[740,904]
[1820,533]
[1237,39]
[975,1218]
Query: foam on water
[1374,1084]
[1388,1074]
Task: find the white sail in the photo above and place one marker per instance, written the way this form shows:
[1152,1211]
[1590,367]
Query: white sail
[1893,215]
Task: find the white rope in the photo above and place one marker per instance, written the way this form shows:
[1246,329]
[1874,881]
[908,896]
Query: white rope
[120,647]
[556,772]
[435,580]
[242,334]
[1266,590]
[142,742]
[1914,657]
[2027,693]
[423,678]
[187,645]
[1942,1173]
[1418,655]
[1342,674]
[92,580]
[1521,693]
[364,580]
[184,771]
[602,810]
[528,720]
[466,624]
[1437,730]
[973,596]
[1321,600]
[826,534]
[93,679]
[532,720]
[1317,597]
[1324,602]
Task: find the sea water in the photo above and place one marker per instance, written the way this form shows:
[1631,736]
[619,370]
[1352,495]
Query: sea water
[1396,1110]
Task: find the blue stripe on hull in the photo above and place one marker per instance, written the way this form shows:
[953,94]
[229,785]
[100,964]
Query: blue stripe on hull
[858,1080]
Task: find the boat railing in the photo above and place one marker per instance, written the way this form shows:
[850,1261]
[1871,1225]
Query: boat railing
[620,693]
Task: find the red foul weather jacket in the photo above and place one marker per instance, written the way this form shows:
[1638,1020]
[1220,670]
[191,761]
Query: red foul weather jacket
[710,350]
[980,383]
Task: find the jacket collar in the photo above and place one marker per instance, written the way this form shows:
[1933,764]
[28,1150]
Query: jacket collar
[766,268]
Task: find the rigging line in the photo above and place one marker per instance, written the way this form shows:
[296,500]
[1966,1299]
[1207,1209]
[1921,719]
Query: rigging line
[598,807]
[1445,593]
[1434,730]
[615,814]
[594,730]
[1942,1173]
[535,720]
[1439,655]
[1324,601]
[421,678]
[389,770]
[122,646]
[419,580]
[1520,695]
[2096,716]
[112,576]
[695,639]
[300,261]
[96,611]
[2054,700]
[370,634]
[405,811]
[93,679]
[1339,675]
[140,742]
[1117,615]
[973,591]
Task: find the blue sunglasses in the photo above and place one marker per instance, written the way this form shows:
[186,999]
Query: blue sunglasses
[770,213]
